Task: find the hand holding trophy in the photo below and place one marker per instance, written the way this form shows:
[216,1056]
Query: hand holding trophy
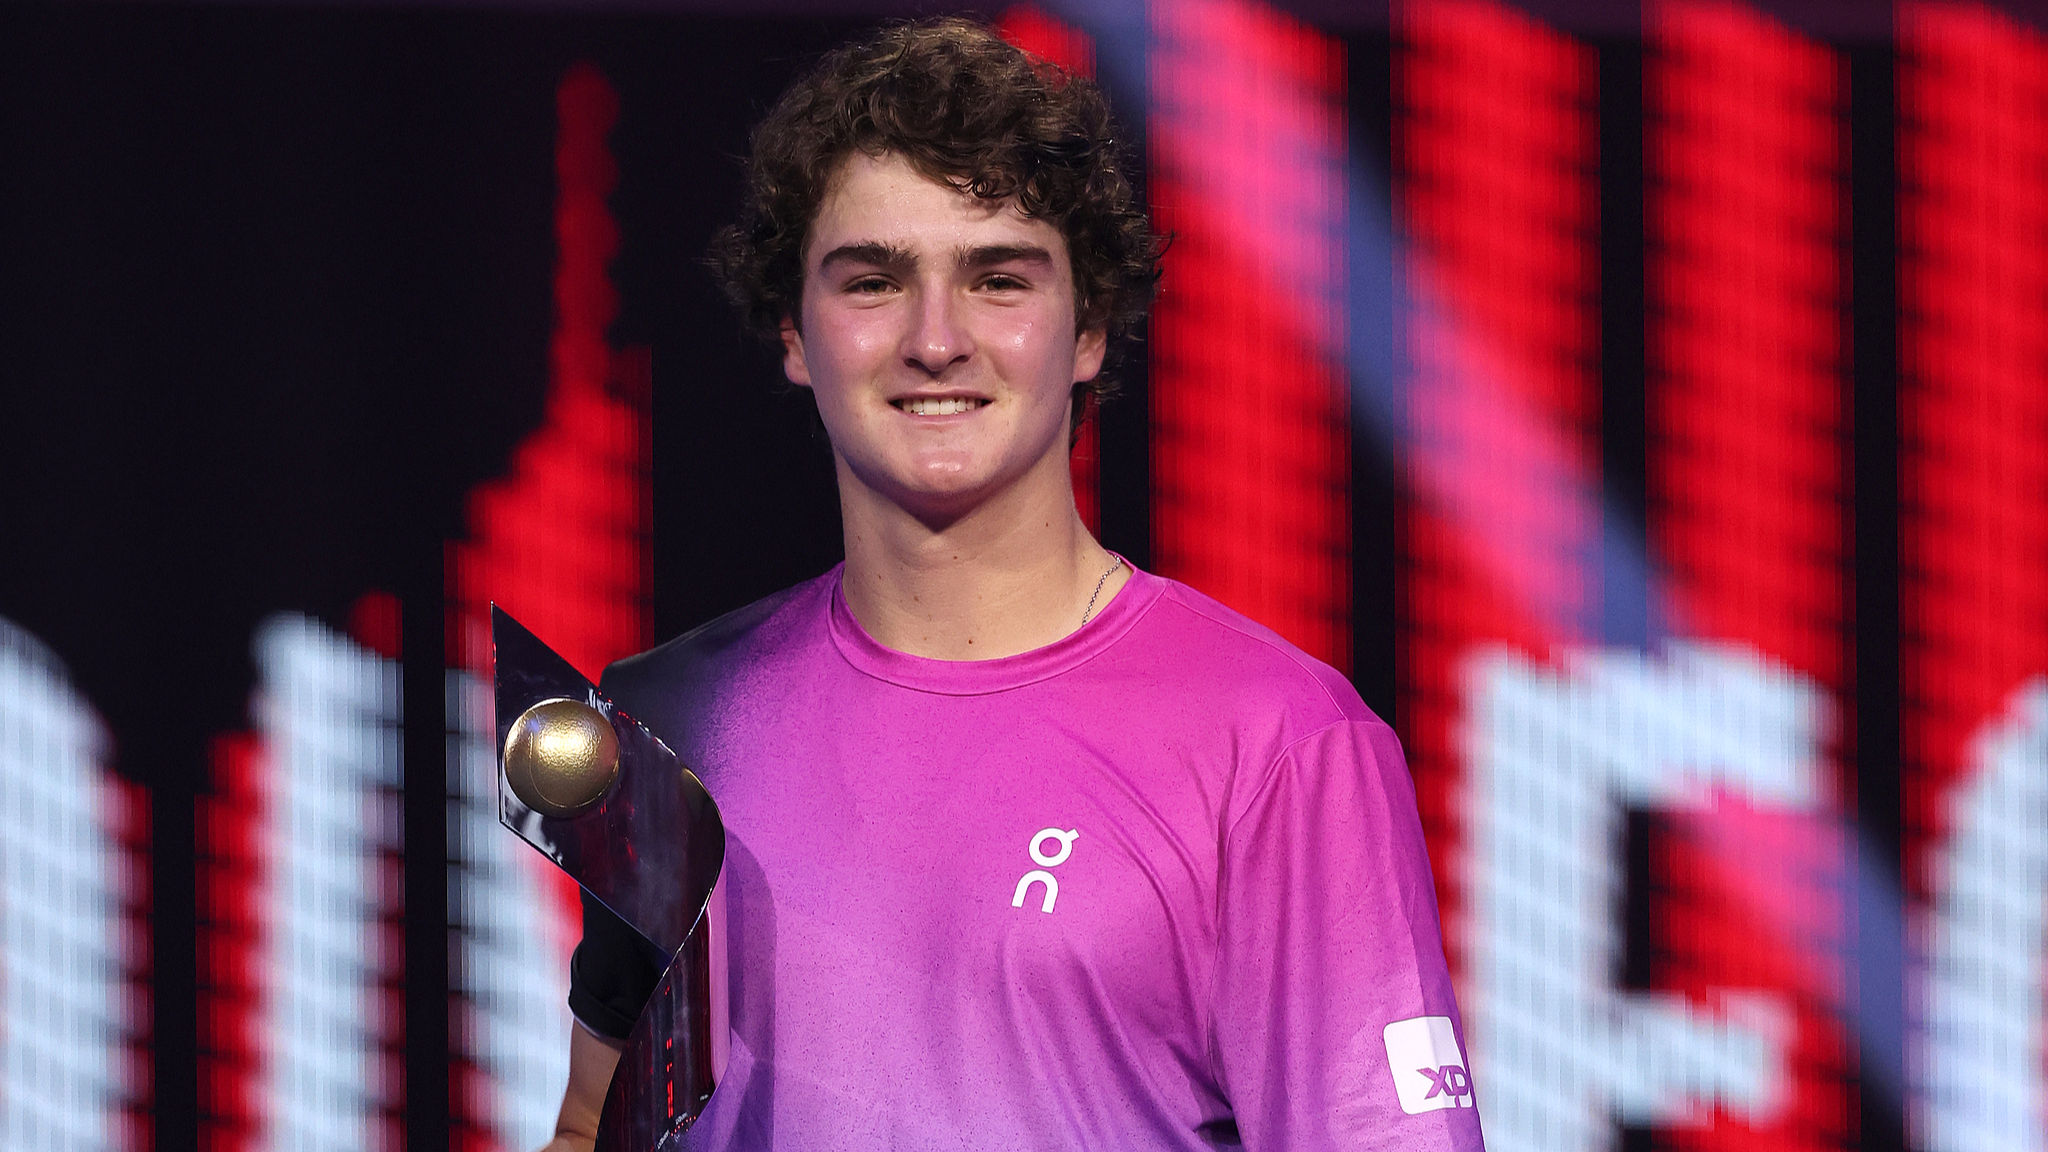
[613,807]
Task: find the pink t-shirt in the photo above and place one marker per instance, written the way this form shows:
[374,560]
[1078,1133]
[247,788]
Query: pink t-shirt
[1159,885]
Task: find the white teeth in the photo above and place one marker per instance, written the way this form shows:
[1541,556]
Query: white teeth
[940,406]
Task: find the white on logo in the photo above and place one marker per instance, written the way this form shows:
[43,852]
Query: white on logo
[1039,875]
[1428,1066]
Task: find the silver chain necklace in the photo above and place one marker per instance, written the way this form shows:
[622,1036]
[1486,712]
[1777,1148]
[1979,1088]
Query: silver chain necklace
[1090,610]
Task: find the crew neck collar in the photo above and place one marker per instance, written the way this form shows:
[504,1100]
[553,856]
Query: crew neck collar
[981,677]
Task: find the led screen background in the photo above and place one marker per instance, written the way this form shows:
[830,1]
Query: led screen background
[1644,406]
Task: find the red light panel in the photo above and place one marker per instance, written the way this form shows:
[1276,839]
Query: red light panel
[1972,90]
[1250,430]
[1048,37]
[560,542]
[1744,217]
[1973,413]
[1496,193]
[1744,170]
[128,807]
[230,823]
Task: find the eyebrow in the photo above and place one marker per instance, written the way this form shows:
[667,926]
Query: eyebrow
[897,258]
[988,254]
[873,252]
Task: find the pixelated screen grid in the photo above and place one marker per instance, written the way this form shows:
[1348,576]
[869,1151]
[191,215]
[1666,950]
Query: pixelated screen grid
[1538,730]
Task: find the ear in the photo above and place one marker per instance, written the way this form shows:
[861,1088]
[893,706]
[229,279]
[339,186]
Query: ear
[1089,348]
[793,363]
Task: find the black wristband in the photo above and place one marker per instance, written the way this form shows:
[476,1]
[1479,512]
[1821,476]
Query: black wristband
[612,973]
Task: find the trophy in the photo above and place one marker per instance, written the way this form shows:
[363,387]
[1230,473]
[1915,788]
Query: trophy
[613,806]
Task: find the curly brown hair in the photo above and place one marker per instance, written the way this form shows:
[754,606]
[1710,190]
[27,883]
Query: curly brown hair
[965,107]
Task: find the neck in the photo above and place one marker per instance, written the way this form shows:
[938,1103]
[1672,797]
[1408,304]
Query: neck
[1012,574]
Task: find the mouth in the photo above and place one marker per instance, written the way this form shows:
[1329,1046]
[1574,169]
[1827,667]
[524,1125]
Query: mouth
[938,405]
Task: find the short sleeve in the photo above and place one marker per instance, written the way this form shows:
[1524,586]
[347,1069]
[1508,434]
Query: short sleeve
[1334,1023]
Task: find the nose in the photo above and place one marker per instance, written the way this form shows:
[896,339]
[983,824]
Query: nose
[937,339]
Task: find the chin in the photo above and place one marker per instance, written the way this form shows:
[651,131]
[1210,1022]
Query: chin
[937,499]
[949,480]
[942,498]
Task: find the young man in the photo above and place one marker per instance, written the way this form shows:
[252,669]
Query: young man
[1027,849]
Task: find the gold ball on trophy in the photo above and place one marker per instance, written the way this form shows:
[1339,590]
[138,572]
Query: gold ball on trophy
[561,757]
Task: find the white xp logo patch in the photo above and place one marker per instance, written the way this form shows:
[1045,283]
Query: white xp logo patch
[1429,1070]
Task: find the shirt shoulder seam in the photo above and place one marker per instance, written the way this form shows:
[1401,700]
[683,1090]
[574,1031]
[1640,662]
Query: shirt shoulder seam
[1301,660]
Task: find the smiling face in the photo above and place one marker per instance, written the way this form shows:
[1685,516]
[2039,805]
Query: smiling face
[939,337]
